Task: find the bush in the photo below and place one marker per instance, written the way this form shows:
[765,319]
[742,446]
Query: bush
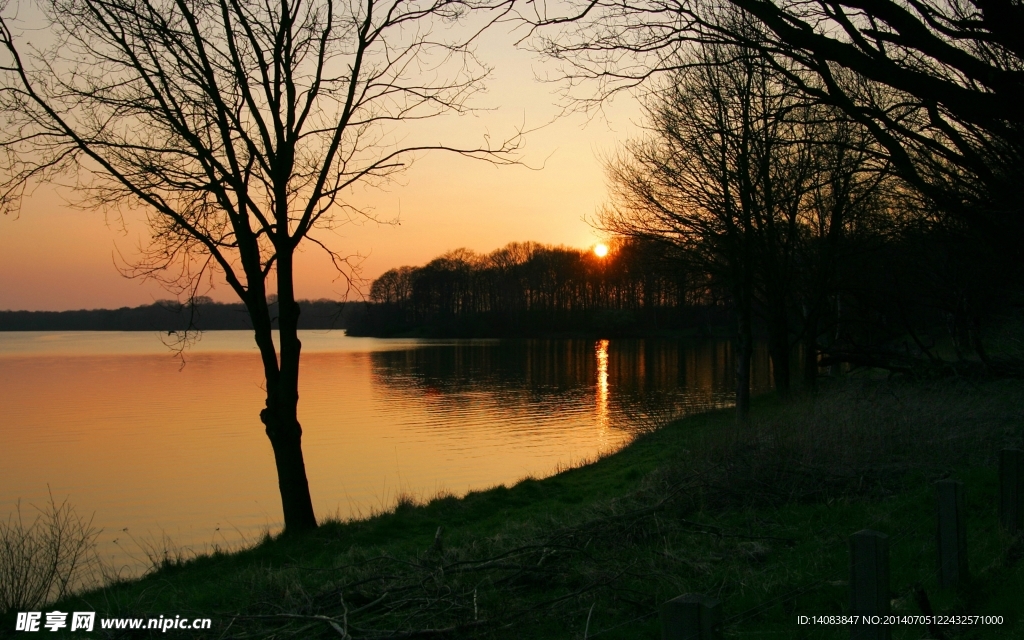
[44,561]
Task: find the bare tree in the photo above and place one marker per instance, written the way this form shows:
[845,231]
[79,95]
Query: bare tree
[722,176]
[939,83]
[847,201]
[961,60]
[238,126]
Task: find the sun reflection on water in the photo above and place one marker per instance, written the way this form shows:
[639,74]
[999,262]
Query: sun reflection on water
[602,388]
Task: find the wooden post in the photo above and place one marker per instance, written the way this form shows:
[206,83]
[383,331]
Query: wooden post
[691,617]
[869,583]
[952,533]
[1011,489]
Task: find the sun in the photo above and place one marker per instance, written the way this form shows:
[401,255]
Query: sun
[601,250]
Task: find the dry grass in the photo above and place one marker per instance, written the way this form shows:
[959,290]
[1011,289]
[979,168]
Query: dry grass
[860,436]
[44,561]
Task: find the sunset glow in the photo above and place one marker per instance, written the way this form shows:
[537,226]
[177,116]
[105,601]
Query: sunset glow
[56,257]
[601,250]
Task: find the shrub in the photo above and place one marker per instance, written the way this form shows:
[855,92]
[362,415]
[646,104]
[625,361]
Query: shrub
[44,561]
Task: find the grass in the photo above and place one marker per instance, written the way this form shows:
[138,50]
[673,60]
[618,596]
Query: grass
[757,516]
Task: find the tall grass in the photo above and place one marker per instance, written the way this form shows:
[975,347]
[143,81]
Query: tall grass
[44,561]
[860,436]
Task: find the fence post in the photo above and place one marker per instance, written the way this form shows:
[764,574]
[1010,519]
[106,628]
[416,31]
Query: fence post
[952,533]
[1011,489]
[869,583]
[691,617]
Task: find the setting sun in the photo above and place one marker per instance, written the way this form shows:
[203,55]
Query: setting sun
[601,250]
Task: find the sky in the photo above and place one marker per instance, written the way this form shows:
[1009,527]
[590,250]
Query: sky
[56,257]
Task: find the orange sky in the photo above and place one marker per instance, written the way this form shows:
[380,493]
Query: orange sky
[56,258]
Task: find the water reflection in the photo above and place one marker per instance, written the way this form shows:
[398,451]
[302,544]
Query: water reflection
[129,435]
[611,382]
[601,414]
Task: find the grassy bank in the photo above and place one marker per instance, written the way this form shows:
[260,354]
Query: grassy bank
[757,516]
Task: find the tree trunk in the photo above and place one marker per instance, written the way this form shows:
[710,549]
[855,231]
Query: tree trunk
[778,346]
[280,417]
[837,335]
[811,353]
[744,353]
[286,439]
[976,342]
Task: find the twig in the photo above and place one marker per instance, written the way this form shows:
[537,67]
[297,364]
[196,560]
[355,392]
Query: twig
[426,633]
[718,531]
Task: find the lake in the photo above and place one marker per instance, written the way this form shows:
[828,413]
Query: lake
[169,451]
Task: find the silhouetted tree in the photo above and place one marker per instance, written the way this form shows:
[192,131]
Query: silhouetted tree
[952,80]
[722,174]
[848,204]
[237,125]
[939,84]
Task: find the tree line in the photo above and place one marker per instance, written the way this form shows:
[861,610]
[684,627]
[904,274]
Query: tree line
[527,288]
[202,314]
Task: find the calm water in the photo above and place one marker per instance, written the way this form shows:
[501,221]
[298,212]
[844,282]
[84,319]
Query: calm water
[175,455]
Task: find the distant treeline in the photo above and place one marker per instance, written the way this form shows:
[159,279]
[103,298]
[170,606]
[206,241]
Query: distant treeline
[169,315]
[529,289]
